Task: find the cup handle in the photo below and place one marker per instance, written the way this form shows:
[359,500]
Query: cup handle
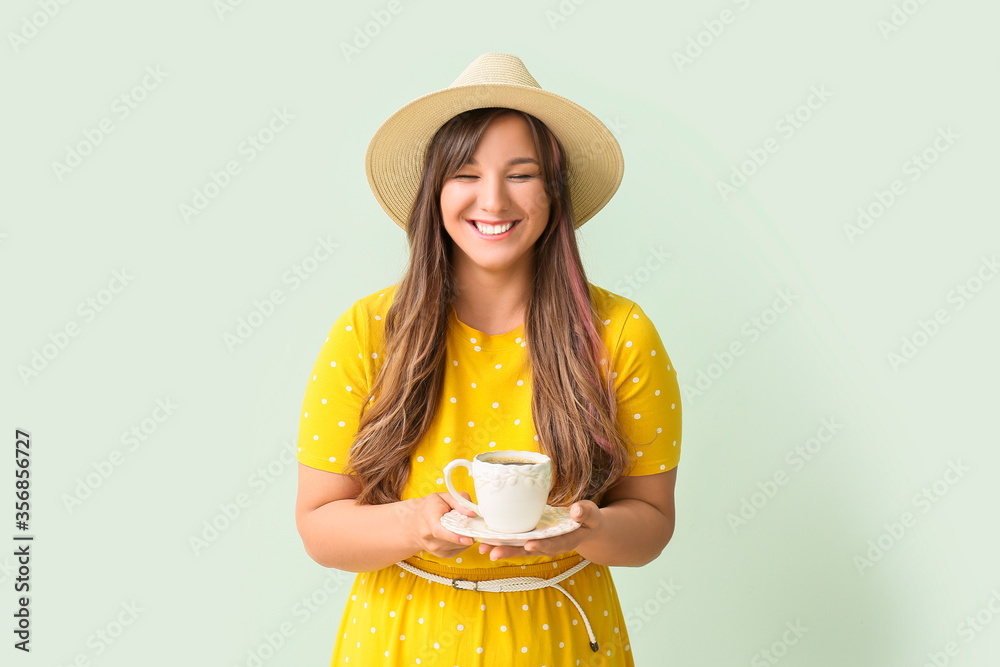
[464,463]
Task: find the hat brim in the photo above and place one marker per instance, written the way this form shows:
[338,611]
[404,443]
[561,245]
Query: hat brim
[396,152]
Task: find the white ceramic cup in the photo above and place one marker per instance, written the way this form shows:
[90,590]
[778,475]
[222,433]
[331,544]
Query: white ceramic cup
[511,497]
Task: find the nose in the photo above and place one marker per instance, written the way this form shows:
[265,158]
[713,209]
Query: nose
[493,197]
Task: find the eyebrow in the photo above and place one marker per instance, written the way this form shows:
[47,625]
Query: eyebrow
[511,162]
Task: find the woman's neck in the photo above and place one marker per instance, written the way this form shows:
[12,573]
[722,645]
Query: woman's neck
[490,302]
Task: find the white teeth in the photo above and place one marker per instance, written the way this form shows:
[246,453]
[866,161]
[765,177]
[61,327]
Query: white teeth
[493,229]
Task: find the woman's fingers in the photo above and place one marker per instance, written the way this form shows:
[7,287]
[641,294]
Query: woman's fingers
[454,504]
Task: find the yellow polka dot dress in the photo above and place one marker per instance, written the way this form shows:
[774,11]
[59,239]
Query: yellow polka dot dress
[394,617]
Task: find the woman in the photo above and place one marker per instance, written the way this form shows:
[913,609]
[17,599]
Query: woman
[493,339]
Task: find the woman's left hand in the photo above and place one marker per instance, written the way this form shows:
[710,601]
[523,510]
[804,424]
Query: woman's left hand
[584,512]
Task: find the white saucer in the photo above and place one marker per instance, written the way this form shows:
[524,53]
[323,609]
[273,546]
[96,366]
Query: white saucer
[554,521]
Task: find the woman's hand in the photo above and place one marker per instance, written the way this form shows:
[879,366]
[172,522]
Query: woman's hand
[428,533]
[584,512]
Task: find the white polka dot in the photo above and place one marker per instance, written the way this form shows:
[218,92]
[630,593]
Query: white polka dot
[348,387]
[458,560]
[574,621]
[524,649]
[392,614]
[323,401]
[454,400]
[663,467]
[479,650]
[420,620]
[517,340]
[628,343]
[545,626]
[614,374]
[503,628]
[455,361]
[341,423]
[659,430]
[373,630]
[354,597]
[516,422]
[420,459]
[652,353]
[524,607]
[634,380]
[409,596]
[471,424]
[498,366]
[558,603]
[638,453]
[374,355]
[447,440]
[673,405]
[635,315]
[495,404]
[520,382]
[637,415]
[536,437]
[305,414]
[472,340]
[441,604]
[327,339]
[616,630]
[607,321]
[386,653]
[656,393]
[460,627]
[561,644]
[482,607]
[378,317]
[333,364]
[493,443]
[436,645]
[440,481]
[300,449]
[523,344]
[477,348]
[381,590]
[675,443]
[333,459]
[314,377]
[473,385]
[315,437]
[348,327]
[402,637]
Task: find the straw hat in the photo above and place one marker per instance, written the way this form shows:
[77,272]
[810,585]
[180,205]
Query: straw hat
[395,154]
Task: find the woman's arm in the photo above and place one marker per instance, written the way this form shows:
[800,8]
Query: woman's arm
[337,532]
[631,529]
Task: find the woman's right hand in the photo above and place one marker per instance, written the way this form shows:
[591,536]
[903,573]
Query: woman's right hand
[428,533]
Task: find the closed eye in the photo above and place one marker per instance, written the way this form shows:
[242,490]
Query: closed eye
[515,176]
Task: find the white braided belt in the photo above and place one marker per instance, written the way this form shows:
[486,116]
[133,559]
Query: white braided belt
[511,584]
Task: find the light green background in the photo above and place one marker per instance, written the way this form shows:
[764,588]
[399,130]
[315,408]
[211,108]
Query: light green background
[681,130]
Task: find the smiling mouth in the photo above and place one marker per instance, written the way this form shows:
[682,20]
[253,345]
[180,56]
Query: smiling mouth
[493,229]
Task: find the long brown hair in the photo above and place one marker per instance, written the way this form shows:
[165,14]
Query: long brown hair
[573,399]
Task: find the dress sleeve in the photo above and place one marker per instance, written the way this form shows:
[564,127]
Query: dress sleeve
[334,395]
[649,400]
